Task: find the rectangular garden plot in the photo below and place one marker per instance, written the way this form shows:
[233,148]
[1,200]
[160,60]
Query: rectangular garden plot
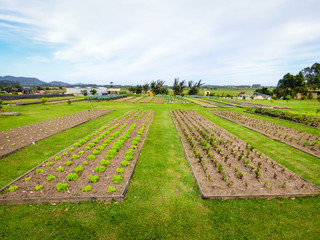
[97,167]
[16,138]
[301,140]
[225,167]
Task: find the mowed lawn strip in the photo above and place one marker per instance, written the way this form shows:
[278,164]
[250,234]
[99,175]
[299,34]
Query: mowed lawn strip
[163,202]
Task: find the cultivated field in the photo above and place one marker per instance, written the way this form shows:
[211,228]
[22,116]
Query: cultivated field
[163,199]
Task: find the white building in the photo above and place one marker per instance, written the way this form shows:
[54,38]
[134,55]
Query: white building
[77,90]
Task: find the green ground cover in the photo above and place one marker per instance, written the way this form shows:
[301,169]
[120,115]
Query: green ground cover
[163,201]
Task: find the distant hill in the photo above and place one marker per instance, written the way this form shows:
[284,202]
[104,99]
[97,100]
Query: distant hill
[24,81]
[31,81]
[58,83]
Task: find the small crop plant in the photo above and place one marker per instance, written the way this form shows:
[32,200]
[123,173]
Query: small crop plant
[117,179]
[105,162]
[39,170]
[94,178]
[62,187]
[13,188]
[111,189]
[50,177]
[60,169]
[38,187]
[78,169]
[48,164]
[86,188]
[100,169]
[120,170]
[27,178]
[72,177]
[57,158]
[91,157]
[68,163]
[124,163]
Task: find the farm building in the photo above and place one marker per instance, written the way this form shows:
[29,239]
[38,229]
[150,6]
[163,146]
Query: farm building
[113,90]
[78,90]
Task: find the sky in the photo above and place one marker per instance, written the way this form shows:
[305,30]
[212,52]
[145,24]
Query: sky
[129,42]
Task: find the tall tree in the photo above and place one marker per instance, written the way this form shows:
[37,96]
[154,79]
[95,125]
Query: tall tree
[146,87]
[178,86]
[194,87]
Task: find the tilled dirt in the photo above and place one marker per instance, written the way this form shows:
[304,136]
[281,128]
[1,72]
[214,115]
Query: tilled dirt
[26,189]
[227,167]
[17,138]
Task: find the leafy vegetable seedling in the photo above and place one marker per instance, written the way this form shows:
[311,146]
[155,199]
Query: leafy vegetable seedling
[72,177]
[111,189]
[39,170]
[38,187]
[62,187]
[50,177]
[86,188]
[94,178]
[116,179]
[60,169]
[13,188]
[48,164]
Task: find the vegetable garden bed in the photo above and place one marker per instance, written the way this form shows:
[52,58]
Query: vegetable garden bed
[158,100]
[135,99]
[14,139]
[97,167]
[146,100]
[225,167]
[301,140]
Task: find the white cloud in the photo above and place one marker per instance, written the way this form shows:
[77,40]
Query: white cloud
[237,42]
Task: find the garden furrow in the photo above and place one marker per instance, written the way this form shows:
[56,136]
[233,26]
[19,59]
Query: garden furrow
[301,140]
[16,138]
[98,166]
[226,167]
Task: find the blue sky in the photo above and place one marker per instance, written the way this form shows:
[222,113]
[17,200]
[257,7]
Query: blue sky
[134,42]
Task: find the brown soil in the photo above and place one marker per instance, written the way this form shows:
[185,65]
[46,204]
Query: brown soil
[301,140]
[146,100]
[17,138]
[224,166]
[26,189]
[135,99]
[158,100]
[123,99]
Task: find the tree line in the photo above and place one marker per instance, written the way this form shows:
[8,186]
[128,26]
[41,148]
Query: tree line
[158,87]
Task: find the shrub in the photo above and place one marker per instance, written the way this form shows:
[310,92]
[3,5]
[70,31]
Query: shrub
[62,187]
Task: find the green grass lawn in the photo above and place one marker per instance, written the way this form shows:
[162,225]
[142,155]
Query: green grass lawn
[163,201]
